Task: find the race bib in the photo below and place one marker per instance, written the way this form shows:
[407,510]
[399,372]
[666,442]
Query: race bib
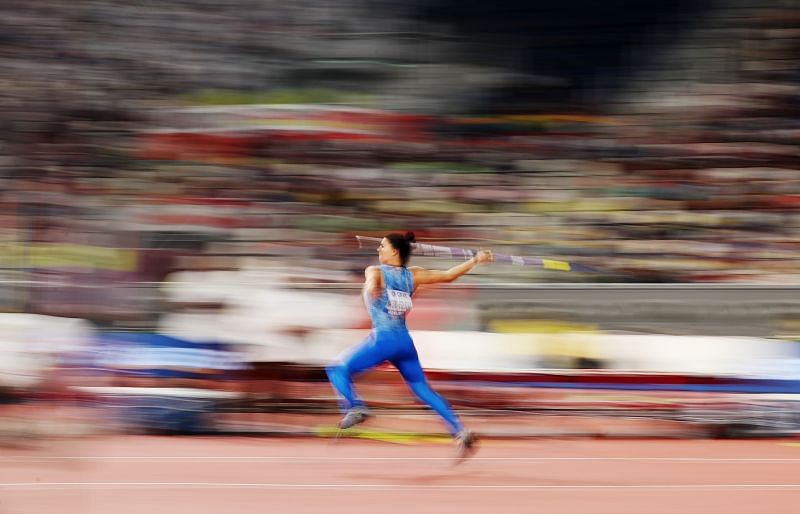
[398,302]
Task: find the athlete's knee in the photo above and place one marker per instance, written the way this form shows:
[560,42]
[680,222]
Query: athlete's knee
[333,370]
[337,369]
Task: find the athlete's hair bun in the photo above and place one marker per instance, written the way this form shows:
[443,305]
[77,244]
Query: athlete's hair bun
[401,243]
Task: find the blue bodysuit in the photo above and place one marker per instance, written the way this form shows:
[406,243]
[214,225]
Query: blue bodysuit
[390,341]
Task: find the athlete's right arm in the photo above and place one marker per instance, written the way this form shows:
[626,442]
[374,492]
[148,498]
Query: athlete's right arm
[372,282]
[428,276]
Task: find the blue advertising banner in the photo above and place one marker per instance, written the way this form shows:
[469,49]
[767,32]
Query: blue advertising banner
[161,356]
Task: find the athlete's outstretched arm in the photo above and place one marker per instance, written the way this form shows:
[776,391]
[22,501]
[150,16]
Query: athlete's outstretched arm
[429,276]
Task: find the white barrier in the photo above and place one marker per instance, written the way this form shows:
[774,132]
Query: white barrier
[32,342]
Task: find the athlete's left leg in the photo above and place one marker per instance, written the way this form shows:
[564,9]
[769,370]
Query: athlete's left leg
[365,356]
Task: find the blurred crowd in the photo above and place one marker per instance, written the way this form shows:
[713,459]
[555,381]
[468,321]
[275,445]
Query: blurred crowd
[124,161]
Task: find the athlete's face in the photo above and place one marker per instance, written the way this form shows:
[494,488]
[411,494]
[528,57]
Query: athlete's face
[386,251]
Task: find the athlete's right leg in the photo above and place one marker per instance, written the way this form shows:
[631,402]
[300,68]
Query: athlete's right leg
[411,370]
[361,358]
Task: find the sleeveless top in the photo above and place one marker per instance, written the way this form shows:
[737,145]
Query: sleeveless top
[388,311]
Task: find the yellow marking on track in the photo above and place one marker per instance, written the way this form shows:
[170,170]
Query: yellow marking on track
[408,438]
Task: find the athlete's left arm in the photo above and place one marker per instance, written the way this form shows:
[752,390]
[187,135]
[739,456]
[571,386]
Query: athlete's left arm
[424,276]
[372,282]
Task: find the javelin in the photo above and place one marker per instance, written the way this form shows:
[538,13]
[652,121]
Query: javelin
[427,250]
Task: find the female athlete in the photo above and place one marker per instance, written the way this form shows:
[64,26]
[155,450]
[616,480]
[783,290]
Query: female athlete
[387,293]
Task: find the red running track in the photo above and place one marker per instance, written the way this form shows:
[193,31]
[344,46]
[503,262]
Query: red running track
[191,475]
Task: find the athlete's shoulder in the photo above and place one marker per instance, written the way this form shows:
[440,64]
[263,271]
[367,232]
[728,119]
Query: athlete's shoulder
[370,270]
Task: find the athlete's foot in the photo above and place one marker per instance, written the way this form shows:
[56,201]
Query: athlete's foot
[354,416]
[466,445]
